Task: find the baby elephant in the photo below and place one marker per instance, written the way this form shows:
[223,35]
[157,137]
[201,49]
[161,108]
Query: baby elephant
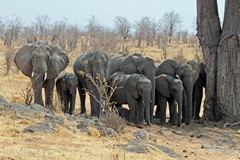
[66,89]
[134,90]
[168,89]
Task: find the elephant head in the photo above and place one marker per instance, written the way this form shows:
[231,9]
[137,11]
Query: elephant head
[184,71]
[41,62]
[136,63]
[34,60]
[140,88]
[69,83]
[195,69]
[98,64]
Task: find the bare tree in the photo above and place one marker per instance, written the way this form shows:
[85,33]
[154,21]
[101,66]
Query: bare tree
[144,30]
[221,54]
[123,27]
[162,39]
[42,25]
[171,22]
[12,31]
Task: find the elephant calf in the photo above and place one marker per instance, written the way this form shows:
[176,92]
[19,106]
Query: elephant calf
[66,89]
[168,89]
[134,90]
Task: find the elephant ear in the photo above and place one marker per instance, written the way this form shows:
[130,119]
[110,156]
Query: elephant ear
[23,59]
[131,86]
[59,61]
[64,84]
[162,85]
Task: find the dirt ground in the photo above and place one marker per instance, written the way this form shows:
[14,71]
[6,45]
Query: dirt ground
[205,140]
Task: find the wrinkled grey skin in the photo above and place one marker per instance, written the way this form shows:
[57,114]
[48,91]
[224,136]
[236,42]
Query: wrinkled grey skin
[134,90]
[96,64]
[169,89]
[198,86]
[42,63]
[66,86]
[185,73]
[136,64]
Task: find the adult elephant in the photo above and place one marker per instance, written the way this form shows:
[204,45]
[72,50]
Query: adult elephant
[169,89]
[185,73]
[198,86]
[42,63]
[136,63]
[93,65]
[134,90]
[66,86]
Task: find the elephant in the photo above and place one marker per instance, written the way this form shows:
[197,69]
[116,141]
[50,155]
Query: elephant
[134,90]
[198,86]
[185,73]
[95,64]
[168,89]
[136,63]
[42,63]
[66,86]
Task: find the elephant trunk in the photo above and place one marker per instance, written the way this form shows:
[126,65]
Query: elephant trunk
[147,104]
[37,83]
[152,95]
[179,115]
[189,90]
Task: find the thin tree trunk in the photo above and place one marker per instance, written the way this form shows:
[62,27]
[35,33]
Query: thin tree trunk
[228,75]
[209,32]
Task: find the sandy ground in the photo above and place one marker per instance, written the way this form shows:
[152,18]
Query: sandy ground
[196,141]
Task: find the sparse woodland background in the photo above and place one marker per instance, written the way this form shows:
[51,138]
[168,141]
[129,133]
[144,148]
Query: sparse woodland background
[160,39]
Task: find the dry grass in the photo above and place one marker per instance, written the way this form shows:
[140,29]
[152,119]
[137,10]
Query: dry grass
[75,144]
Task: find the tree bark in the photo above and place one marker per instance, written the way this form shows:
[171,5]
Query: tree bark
[228,75]
[209,32]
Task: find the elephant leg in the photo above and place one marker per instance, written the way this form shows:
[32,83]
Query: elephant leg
[184,108]
[162,104]
[65,103]
[49,93]
[132,104]
[198,93]
[173,112]
[140,113]
[82,95]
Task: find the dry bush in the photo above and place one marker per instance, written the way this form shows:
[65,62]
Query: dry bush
[9,58]
[27,94]
[114,121]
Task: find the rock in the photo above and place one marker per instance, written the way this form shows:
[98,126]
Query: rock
[22,108]
[86,123]
[138,146]
[205,146]
[110,132]
[90,123]
[141,135]
[70,117]
[39,108]
[43,127]
[54,119]
[3,101]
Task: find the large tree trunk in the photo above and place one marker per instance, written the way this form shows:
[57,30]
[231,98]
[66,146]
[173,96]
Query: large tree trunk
[228,75]
[222,57]
[209,32]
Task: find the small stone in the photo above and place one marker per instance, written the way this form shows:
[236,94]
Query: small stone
[110,132]
[141,135]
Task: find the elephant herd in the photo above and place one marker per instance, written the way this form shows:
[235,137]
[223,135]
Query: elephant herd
[139,83]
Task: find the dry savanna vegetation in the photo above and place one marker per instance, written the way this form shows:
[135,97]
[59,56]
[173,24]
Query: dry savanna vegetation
[75,137]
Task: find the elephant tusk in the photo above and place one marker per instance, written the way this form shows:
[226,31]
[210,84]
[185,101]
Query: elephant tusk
[45,75]
[32,75]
